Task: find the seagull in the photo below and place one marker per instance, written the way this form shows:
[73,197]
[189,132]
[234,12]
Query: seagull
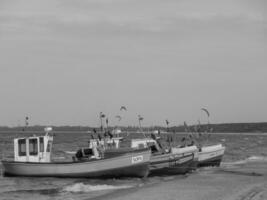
[123,108]
[119,117]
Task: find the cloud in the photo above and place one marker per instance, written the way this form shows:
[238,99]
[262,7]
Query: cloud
[190,52]
[127,16]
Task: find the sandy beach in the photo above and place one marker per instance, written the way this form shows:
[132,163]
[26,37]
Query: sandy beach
[246,181]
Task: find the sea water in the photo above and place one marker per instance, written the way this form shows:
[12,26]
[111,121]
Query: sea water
[240,149]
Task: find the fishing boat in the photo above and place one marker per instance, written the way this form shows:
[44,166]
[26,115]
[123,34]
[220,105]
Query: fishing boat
[175,160]
[210,155]
[32,157]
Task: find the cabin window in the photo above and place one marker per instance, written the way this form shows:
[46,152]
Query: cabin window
[153,148]
[49,146]
[41,144]
[22,147]
[141,146]
[33,147]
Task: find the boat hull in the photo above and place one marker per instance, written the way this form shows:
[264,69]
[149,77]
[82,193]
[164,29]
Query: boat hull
[129,165]
[170,164]
[211,155]
[187,151]
[215,161]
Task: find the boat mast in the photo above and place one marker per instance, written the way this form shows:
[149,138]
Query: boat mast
[140,118]
[101,116]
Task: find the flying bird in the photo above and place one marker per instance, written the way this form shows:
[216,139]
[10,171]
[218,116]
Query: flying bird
[206,111]
[123,108]
[102,115]
[140,118]
[167,122]
[118,117]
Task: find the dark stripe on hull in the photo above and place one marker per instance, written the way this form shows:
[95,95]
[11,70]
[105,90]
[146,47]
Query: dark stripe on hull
[167,167]
[172,170]
[216,161]
[140,170]
[193,166]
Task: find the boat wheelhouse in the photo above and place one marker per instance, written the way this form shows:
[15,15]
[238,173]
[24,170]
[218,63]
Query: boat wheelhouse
[106,142]
[34,148]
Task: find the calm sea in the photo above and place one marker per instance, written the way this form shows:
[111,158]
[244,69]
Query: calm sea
[239,147]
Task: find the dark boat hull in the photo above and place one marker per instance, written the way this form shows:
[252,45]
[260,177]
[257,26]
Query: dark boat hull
[215,161]
[193,166]
[167,164]
[128,165]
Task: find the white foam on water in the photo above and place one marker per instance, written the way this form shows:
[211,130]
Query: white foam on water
[81,187]
[233,164]
[249,159]
[257,158]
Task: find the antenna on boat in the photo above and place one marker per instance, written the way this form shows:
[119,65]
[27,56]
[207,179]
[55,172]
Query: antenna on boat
[119,117]
[101,116]
[47,130]
[107,123]
[140,118]
[207,112]
[190,132]
[167,123]
[208,123]
[26,123]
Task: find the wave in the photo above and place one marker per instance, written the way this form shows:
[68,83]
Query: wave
[239,162]
[249,159]
[257,158]
[81,187]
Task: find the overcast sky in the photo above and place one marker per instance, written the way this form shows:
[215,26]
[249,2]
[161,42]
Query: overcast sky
[64,61]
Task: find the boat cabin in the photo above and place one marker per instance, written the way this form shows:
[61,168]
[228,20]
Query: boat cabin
[107,143]
[146,143]
[33,149]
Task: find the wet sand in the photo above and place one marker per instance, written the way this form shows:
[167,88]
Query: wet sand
[239,182]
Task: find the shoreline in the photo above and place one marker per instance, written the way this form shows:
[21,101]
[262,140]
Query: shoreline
[242,182]
[134,132]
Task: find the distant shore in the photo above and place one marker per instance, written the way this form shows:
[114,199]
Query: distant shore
[129,132]
[260,127]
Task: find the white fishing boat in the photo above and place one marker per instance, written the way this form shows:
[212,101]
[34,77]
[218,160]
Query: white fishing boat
[174,160]
[32,157]
[210,155]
